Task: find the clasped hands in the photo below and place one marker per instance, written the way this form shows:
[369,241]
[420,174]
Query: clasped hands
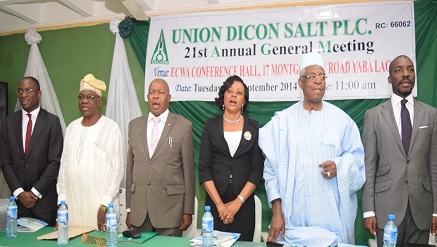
[229,210]
[28,199]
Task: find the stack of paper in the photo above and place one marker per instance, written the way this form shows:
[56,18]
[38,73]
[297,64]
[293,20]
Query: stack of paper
[221,239]
[28,224]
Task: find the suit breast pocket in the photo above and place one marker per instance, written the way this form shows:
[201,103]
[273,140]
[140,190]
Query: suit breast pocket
[424,132]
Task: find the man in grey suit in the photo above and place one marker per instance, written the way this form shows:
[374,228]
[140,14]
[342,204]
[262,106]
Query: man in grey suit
[160,168]
[401,161]
[31,165]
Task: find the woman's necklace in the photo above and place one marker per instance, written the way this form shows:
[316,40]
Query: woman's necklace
[232,121]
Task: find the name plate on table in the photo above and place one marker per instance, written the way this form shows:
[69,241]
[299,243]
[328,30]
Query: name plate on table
[94,240]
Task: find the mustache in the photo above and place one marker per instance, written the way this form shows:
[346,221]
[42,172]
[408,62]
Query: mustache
[406,80]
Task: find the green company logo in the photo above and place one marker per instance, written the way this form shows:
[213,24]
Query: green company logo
[160,53]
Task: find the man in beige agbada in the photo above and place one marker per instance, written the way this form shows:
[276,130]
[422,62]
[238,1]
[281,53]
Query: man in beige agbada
[92,160]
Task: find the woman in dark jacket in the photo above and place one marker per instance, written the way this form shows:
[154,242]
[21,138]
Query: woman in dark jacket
[231,162]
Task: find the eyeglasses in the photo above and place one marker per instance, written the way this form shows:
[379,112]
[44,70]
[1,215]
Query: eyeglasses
[313,77]
[28,90]
[88,97]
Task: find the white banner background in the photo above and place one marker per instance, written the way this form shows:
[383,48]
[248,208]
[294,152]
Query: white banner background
[196,52]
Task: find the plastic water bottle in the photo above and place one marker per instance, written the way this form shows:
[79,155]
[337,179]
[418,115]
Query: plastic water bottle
[111,226]
[390,232]
[62,224]
[207,228]
[11,221]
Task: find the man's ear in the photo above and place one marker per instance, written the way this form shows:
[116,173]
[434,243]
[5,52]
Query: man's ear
[299,81]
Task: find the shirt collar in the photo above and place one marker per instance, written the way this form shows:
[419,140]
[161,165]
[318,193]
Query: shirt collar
[396,99]
[162,117]
[34,113]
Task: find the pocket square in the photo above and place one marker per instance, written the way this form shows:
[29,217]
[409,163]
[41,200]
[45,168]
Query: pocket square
[423,127]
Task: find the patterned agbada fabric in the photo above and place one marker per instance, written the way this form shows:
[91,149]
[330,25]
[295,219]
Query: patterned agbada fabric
[92,167]
[317,211]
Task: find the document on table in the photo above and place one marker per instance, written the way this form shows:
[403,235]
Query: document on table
[27,224]
[221,239]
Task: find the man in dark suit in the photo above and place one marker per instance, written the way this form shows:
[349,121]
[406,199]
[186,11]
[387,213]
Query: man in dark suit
[160,167]
[401,161]
[30,151]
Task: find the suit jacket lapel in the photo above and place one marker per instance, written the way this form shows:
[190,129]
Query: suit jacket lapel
[37,129]
[389,116]
[418,115]
[144,133]
[18,129]
[166,131]
[221,133]
[242,142]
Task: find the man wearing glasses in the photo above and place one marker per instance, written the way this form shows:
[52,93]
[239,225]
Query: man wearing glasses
[30,152]
[314,166]
[92,160]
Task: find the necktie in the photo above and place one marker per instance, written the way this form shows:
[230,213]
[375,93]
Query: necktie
[406,126]
[154,137]
[28,134]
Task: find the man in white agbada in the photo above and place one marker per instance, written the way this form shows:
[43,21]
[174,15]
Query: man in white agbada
[314,166]
[92,160]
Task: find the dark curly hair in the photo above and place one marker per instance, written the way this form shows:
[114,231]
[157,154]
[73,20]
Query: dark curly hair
[219,101]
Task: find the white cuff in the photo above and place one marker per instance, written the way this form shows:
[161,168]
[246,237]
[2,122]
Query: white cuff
[17,192]
[368,214]
[36,192]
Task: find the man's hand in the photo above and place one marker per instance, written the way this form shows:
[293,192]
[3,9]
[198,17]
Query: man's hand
[370,224]
[186,221]
[28,199]
[434,226]
[101,220]
[329,169]
[277,225]
[129,226]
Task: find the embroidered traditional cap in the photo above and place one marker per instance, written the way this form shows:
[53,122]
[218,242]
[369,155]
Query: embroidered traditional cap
[89,82]
[312,58]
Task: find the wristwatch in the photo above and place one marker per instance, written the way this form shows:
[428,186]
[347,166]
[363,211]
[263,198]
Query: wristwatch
[103,208]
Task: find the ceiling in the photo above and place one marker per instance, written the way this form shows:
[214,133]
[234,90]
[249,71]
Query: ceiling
[19,15]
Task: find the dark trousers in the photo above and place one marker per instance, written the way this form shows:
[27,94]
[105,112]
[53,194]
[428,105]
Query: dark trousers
[244,220]
[47,217]
[407,232]
[148,227]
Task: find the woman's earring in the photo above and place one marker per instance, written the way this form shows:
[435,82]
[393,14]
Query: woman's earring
[242,106]
[223,107]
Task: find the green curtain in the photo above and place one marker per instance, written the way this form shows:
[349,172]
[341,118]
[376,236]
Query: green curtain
[425,13]
[197,112]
